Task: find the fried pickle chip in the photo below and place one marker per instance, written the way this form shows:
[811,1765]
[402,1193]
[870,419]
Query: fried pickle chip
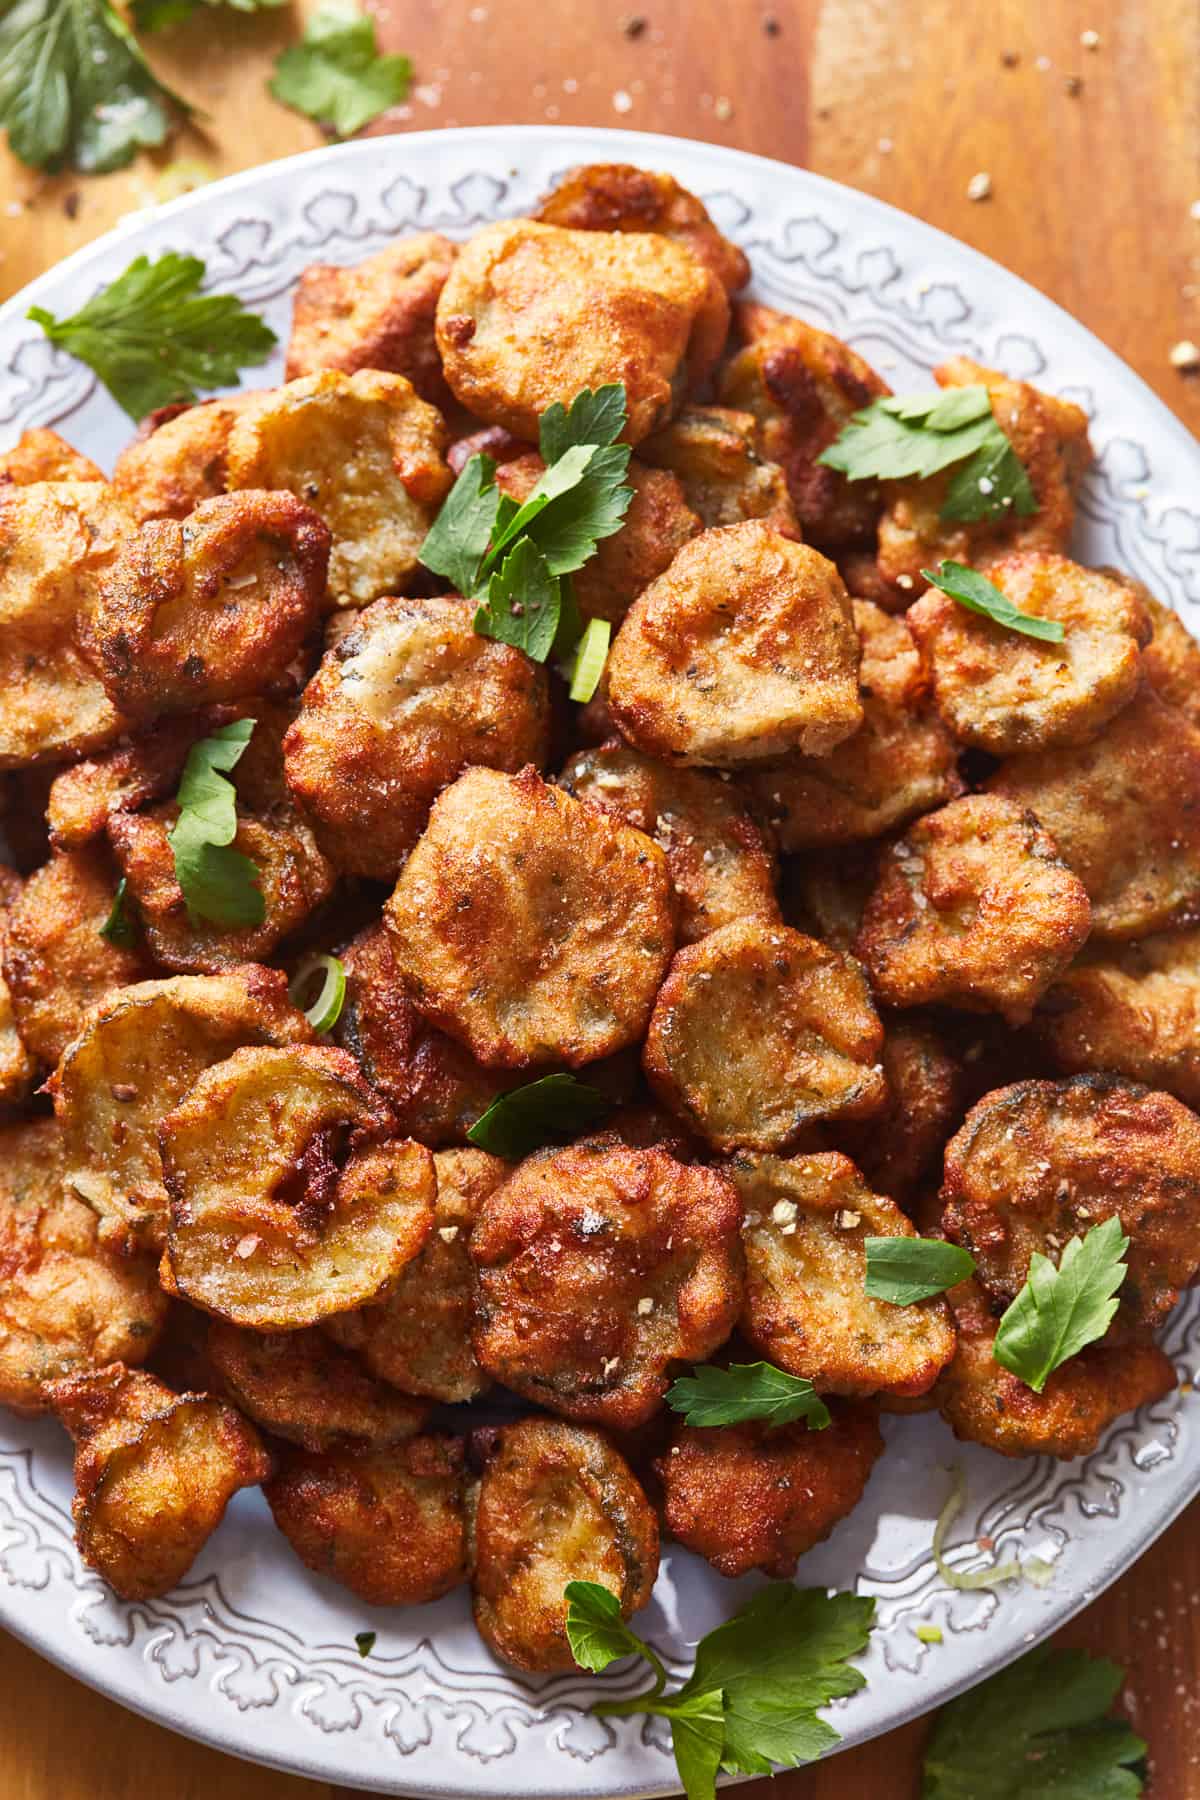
[1171,660]
[154,1472]
[401,706]
[720,864]
[419,1337]
[532,314]
[136,1057]
[599,1266]
[66,1302]
[212,609]
[744,649]
[806,1307]
[1131,1008]
[56,540]
[530,927]
[56,964]
[1005,692]
[376,314]
[41,455]
[974,908]
[620,197]
[759,1032]
[1041,1162]
[366,455]
[556,1503]
[725,481]
[389,1523]
[898,1147]
[18,1065]
[747,1497]
[300,1386]
[802,386]
[1124,812]
[290,1199]
[85,795]
[984,1403]
[180,457]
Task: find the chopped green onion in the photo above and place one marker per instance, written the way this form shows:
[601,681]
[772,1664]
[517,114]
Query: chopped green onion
[1034,1569]
[591,654]
[326,1009]
[929,1634]
[118,927]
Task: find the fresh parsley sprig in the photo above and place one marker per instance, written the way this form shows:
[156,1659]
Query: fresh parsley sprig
[153,338]
[218,882]
[979,595]
[1061,1310]
[156,15]
[337,74]
[746,1391]
[542,1112]
[904,1270]
[751,1702]
[918,435]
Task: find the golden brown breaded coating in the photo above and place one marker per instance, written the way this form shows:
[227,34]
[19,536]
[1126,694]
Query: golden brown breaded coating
[900,762]
[1124,812]
[1050,437]
[1171,660]
[621,197]
[599,1266]
[388,1523]
[984,1403]
[212,609]
[66,1301]
[530,927]
[1005,692]
[138,1055]
[41,455]
[290,1198]
[532,314]
[154,1472]
[556,1503]
[85,795]
[806,1308]
[744,649]
[179,458]
[300,1386]
[401,706]
[745,1497]
[377,314]
[57,538]
[758,1032]
[1131,1008]
[720,864]
[419,1336]
[802,386]
[712,451]
[366,454]
[18,1065]
[898,1147]
[1041,1162]
[56,964]
[975,908]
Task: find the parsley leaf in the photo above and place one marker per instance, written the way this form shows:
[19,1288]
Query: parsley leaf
[154,15]
[906,435]
[979,595]
[903,1270]
[457,541]
[597,1633]
[524,603]
[525,1118]
[336,73]
[597,417]
[75,88]
[364,1642]
[118,928]
[153,339]
[1037,1731]
[1060,1310]
[218,883]
[714,1396]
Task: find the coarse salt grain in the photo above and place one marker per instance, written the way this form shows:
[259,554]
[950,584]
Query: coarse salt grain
[980,186]
[784,1212]
[247,1246]
[622,101]
[1185,354]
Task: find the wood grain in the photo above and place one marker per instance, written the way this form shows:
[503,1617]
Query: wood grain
[1094,159]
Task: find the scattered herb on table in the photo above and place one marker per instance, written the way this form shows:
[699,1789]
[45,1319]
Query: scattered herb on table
[156,15]
[337,73]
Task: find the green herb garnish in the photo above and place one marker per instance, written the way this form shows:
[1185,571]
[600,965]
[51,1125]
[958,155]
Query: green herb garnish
[904,1270]
[336,74]
[979,595]
[591,654]
[1033,1569]
[326,1009]
[364,1642]
[525,1118]
[218,883]
[715,1396]
[156,15]
[1061,1310]
[119,928]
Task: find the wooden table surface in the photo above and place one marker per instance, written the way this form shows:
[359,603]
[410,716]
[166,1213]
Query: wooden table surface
[1094,159]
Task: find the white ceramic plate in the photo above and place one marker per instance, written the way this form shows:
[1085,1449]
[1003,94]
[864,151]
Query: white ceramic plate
[251,1653]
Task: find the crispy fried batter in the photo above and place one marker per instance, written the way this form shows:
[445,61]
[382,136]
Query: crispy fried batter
[41,455]
[534,313]
[746,1497]
[1171,660]
[556,1503]
[744,649]
[712,451]
[138,1055]
[806,1308]
[56,964]
[400,707]
[1044,1161]
[598,1267]
[531,927]
[179,458]
[719,861]
[621,197]
[154,1472]
[1124,812]
[18,1065]
[1132,1008]
[897,1149]
[1006,692]
[388,1523]
[974,908]
[759,1032]
[85,796]
[290,1199]
[366,455]
[302,1387]
[377,314]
